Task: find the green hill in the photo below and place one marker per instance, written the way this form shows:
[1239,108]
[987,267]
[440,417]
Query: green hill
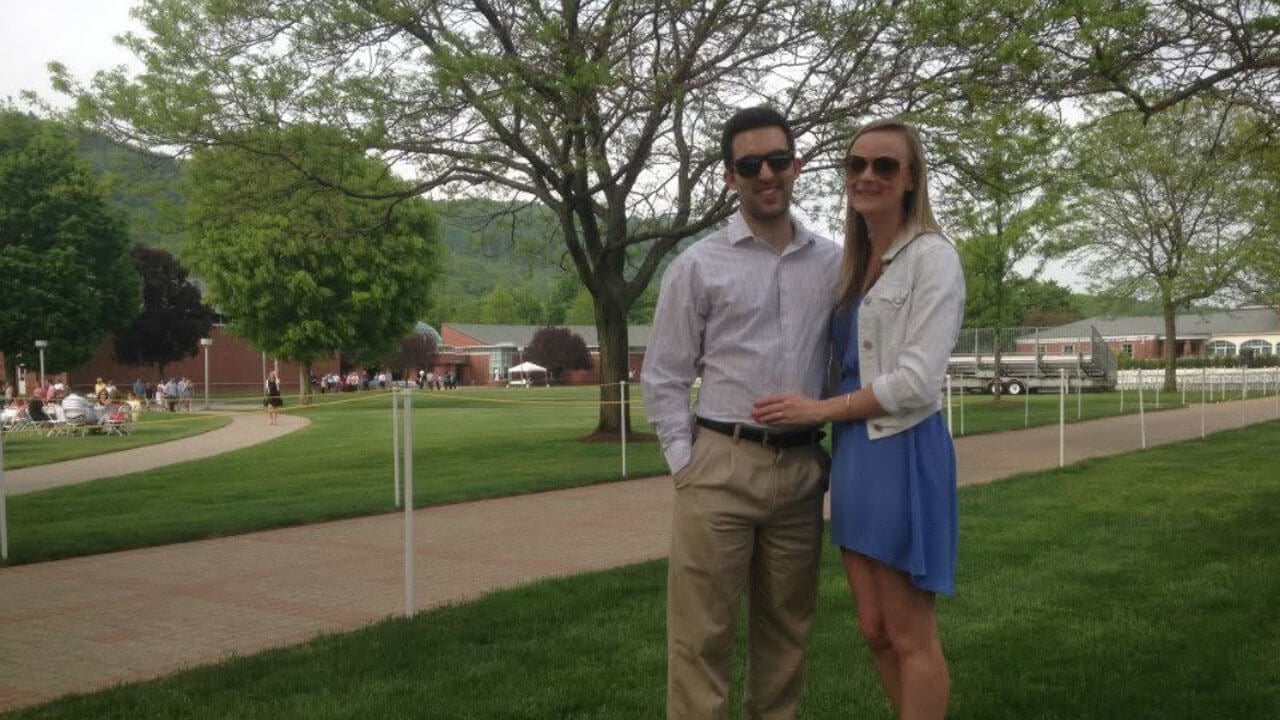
[502,263]
[144,185]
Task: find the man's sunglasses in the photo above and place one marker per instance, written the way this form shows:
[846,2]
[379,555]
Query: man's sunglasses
[884,167]
[748,166]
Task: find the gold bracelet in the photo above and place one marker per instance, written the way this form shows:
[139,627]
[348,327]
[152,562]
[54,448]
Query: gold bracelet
[848,398]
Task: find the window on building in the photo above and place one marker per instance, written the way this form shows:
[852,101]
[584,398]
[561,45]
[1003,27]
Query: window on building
[1127,349]
[1257,348]
[1068,349]
[1221,348]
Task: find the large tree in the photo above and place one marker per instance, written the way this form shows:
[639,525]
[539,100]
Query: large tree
[1152,54]
[606,112]
[304,271]
[1167,209]
[1004,160]
[64,252]
[558,349]
[173,318]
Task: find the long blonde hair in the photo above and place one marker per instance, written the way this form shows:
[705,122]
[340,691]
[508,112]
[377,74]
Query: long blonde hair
[915,204]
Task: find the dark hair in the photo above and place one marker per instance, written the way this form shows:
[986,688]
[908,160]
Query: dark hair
[750,119]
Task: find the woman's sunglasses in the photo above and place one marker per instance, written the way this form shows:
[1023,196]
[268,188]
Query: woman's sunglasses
[748,166]
[884,167]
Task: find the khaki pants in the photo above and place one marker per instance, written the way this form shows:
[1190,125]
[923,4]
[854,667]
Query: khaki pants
[747,519]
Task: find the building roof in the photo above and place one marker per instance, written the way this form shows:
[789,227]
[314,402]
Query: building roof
[521,335]
[1241,321]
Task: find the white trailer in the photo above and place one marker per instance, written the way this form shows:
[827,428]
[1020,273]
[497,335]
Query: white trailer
[1019,362]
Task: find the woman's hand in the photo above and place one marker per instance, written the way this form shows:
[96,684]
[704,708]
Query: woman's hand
[787,409]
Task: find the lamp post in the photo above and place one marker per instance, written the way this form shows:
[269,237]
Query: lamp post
[206,343]
[41,345]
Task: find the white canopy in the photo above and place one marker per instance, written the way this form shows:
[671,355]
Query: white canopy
[526,367]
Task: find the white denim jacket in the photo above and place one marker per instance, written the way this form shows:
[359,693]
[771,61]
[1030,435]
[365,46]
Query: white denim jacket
[907,325]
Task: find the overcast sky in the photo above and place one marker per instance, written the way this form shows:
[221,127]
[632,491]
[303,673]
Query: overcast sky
[77,33]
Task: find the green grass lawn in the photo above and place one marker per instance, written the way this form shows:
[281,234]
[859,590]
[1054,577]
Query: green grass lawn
[469,444]
[25,449]
[1140,586]
[975,414]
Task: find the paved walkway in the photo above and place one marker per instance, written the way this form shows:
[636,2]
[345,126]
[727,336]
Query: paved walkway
[82,624]
[245,429]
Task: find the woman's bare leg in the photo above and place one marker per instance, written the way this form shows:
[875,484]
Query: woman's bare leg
[912,626]
[859,571]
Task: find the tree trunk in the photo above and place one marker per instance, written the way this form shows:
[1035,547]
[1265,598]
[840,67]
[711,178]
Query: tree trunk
[304,383]
[611,327]
[1170,350]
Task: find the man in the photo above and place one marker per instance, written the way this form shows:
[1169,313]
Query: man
[78,410]
[748,309]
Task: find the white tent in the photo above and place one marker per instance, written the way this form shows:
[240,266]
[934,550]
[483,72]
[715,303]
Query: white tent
[524,369]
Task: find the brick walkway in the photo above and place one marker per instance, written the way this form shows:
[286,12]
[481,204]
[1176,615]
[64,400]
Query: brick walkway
[82,624]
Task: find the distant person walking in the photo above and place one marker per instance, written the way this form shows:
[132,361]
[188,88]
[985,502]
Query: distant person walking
[272,400]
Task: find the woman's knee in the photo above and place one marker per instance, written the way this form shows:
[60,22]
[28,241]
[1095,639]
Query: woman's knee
[874,632]
[910,633]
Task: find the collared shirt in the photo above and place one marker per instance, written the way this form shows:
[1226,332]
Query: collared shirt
[748,320]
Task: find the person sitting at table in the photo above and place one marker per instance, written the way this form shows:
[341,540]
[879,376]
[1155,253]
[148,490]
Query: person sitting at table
[35,407]
[78,410]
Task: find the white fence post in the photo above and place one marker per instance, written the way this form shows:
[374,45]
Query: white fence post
[949,430]
[1204,388]
[1079,395]
[1244,391]
[1062,418]
[622,409]
[1026,407]
[395,443]
[1142,416]
[409,604]
[4,508]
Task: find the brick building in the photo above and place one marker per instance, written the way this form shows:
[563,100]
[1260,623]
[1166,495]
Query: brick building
[235,367]
[1224,333]
[483,354]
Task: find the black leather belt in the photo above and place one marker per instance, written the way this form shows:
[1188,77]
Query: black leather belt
[767,438]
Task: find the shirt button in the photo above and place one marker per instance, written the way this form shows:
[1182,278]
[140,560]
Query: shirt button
[866,344]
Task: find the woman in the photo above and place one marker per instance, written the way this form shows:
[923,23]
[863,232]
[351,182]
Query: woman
[893,491]
[272,401]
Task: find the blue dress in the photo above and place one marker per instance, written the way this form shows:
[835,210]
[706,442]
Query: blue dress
[893,499]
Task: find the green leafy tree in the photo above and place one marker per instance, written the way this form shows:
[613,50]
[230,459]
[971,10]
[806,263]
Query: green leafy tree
[582,311]
[64,252]
[1151,55]
[413,351]
[1005,163]
[173,318]
[499,307]
[1166,209]
[557,305]
[1261,281]
[604,113]
[304,271]
[1045,303]
[558,349]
